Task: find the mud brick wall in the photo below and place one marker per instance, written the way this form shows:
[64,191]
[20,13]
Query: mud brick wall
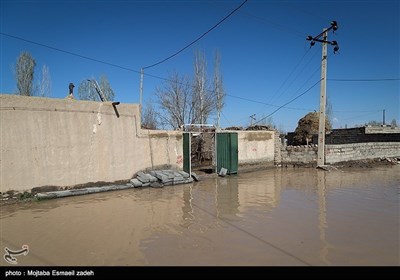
[363,135]
[63,142]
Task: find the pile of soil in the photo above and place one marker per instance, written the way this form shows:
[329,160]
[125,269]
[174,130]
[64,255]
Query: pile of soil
[307,127]
[368,163]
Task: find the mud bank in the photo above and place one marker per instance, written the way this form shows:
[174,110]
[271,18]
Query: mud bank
[13,197]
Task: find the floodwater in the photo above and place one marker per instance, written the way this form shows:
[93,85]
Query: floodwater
[285,217]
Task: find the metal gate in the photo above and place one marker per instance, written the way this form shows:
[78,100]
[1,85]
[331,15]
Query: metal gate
[187,164]
[227,152]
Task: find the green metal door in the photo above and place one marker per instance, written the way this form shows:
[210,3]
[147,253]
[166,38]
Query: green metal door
[234,150]
[187,165]
[227,152]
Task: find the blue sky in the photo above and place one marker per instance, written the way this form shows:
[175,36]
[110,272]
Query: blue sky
[265,57]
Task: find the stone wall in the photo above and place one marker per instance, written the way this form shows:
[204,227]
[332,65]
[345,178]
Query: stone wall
[277,148]
[346,144]
[299,154]
[339,153]
[358,151]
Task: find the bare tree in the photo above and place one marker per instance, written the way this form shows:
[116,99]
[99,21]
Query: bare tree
[373,123]
[44,87]
[174,98]
[24,72]
[149,116]
[393,123]
[87,89]
[218,86]
[106,88]
[183,101]
[203,99]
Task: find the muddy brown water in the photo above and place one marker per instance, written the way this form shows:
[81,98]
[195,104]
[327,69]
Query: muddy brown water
[264,218]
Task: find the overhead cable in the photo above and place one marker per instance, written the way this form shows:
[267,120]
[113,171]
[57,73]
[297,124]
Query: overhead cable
[196,40]
[168,80]
[365,80]
[297,97]
[70,53]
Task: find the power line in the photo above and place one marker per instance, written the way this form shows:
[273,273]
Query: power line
[315,71]
[293,70]
[196,40]
[355,111]
[365,80]
[363,115]
[287,78]
[168,80]
[307,12]
[234,96]
[226,119]
[154,76]
[268,104]
[117,66]
[271,23]
[280,107]
[71,53]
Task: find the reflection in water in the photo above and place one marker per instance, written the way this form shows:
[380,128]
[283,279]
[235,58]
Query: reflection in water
[187,209]
[227,197]
[260,191]
[322,226]
[269,217]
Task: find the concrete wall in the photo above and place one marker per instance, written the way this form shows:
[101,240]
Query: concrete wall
[256,146]
[66,142]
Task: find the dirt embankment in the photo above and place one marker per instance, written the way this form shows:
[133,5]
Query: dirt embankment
[365,163]
[368,163]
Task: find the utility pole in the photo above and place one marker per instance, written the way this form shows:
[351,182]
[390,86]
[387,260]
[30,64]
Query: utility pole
[322,102]
[322,99]
[253,118]
[383,118]
[141,89]
[140,97]
[218,117]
